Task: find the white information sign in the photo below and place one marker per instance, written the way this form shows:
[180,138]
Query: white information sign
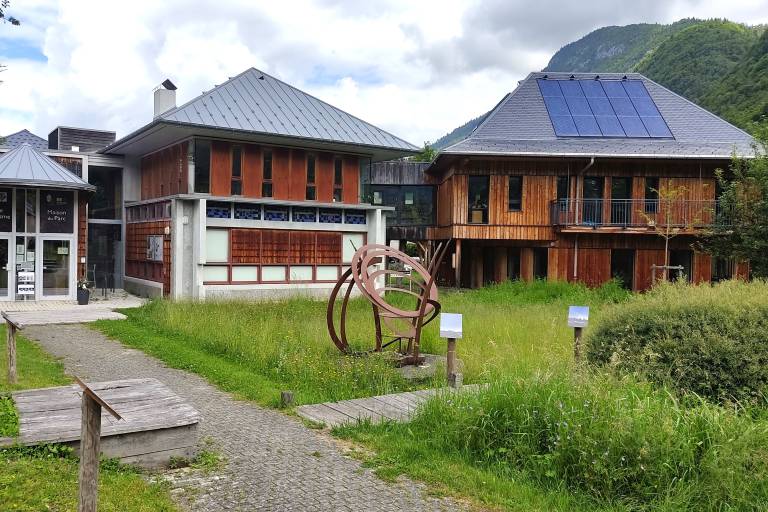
[578,316]
[26,277]
[25,289]
[450,325]
[155,248]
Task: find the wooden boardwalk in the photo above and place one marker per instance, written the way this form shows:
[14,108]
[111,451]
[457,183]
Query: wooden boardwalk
[398,407]
[156,424]
[61,316]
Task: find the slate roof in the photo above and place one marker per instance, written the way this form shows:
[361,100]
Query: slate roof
[520,125]
[257,102]
[24,136]
[26,166]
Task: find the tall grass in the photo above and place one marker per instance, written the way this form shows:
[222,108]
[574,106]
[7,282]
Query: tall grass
[620,443]
[285,345]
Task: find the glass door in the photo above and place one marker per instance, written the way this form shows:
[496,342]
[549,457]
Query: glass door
[56,262]
[5,268]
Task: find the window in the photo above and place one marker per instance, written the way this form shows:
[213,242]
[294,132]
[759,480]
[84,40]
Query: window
[237,171]
[594,187]
[311,194]
[216,245]
[266,185]
[338,176]
[651,195]
[540,262]
[563,187]
[202,166]
[478,200]
[515,193]
[377,199]
[409,198]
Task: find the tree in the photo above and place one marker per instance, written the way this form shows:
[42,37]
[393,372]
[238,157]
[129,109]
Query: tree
[427,154]
[671,216]
[5,18]
[741,230]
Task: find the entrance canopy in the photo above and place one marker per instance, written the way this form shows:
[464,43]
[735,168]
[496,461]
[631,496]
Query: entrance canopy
[26,167]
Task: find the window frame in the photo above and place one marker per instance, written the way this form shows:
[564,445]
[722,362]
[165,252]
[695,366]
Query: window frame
[311,186]
[518,201]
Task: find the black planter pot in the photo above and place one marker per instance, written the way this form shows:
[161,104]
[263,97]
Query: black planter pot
[83,296]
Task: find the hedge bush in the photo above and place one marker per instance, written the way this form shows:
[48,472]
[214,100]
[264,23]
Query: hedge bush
[709,340]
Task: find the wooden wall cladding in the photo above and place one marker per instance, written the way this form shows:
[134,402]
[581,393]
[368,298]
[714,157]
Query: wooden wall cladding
[297,175]
[445,203]
[644,260]
[221,168]
[324,177]
[136,263]
[538,193]
[266,246]
[350,192]
[165,172]
[82,234]
[253,169]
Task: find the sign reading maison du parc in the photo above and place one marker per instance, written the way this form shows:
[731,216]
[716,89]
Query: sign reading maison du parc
[57,211]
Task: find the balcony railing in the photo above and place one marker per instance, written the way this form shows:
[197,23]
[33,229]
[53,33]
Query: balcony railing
[636,213]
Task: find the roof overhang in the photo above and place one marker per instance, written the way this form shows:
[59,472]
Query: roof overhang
[161,133]
[22,183]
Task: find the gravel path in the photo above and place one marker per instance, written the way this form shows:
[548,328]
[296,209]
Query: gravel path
[273,461]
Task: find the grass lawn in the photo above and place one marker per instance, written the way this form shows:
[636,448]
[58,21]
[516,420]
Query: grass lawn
[45,478]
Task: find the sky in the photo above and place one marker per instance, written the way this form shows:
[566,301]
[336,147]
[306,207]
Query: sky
[415,68]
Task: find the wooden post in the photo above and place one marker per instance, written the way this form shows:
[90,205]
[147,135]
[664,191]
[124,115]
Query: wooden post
[11,343]
[286,399]
[577,343]
[450,364]
[90,440]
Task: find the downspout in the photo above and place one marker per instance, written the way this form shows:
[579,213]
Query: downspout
[576,242]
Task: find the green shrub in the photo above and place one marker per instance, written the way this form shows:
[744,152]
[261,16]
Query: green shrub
[710,340]
[622,443]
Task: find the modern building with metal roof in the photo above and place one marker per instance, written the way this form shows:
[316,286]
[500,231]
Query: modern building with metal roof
[25,166]
[566,178]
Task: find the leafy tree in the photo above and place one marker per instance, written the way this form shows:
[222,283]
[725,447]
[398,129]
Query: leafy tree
[5,17]
[741,232]
[427,154]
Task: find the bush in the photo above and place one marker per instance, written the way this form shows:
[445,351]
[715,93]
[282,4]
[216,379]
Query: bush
[621,443]
[709,340]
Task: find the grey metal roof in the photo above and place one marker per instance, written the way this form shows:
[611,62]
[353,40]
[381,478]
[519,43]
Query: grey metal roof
[255,101]
[24,136]
[25,166]
[520,125]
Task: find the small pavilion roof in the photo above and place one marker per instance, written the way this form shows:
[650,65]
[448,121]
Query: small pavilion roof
[27,167]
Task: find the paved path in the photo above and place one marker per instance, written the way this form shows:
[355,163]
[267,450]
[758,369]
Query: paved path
[274,462]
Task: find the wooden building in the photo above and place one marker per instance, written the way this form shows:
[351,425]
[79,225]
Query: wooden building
[571,177]
[253,189]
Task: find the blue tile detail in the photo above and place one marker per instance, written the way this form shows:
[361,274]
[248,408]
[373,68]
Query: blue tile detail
[304,215]
[354,217]
[276,214]
[214,210]
[247,212]
[330,216]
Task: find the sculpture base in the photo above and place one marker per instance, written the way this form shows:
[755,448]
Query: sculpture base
[427,368]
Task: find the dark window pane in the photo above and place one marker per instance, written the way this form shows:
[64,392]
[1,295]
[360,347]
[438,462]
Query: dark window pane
[58,211]
[651,195]
[266,190]
[592,211]
[6,211]
[311,196]
[337,195]
[310,169]
[237,161]
[515,193]
[268,167]
[540,262]
[237,187]
[563,186]
[31,209]
[478,199]
[202,166]
[337,171]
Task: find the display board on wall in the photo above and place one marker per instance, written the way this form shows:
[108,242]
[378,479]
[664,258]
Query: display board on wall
[6,207]
[57,208]
[155,248]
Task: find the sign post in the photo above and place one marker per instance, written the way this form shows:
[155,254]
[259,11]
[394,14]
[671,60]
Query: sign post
[451,328]
[11,328]
[90,447]
[578,317]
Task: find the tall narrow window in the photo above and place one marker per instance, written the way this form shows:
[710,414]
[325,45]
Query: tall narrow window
[311,190]
[651,195]
[237,171]
[477,198]
[266,184]
[515,193]
[202,166]
[337,179]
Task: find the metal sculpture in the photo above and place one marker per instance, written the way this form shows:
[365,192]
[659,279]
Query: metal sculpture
[368,273]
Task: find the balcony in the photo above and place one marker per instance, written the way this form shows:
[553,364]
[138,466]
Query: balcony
[635,215]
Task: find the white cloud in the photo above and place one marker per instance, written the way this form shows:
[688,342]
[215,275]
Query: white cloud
[417,69]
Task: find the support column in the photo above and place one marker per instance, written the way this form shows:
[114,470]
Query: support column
[457,263]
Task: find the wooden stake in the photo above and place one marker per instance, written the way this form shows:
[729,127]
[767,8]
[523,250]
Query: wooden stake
[286,399]
[450,362]
[577,343]
[90,440]
[11,342]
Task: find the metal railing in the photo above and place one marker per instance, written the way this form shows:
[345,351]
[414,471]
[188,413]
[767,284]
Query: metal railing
[637,213]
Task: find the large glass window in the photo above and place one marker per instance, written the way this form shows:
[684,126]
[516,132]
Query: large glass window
[202,166]
[57,211]
[515,193]
[217,245]
[26,210]
[56,255]
[106,203]
[478,199]
[593,199]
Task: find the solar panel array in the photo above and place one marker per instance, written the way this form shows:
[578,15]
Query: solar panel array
[602,108]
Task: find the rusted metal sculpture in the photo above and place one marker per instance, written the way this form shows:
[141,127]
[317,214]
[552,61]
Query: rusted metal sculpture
[368,273]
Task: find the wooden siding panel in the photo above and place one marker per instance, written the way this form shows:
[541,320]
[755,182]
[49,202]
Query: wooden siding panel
[136,263]
[164,172]
[303,247]
[252,170]
[281,164]
[297,175]
[275,246]
[702,268]
[221,169]
[351,180]
[324,177]
[328,248]
[245,245]
[644,259]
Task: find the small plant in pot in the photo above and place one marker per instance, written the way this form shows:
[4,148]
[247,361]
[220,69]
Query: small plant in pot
[83,292]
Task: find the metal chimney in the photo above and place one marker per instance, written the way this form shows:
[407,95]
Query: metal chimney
[165,97]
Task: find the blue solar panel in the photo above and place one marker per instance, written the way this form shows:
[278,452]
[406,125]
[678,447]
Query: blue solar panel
[602,108]
[656,126]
